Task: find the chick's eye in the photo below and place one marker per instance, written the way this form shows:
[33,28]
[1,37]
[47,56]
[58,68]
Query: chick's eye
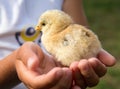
[43,24]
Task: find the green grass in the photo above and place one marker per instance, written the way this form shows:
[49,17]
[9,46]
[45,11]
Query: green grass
[104,19]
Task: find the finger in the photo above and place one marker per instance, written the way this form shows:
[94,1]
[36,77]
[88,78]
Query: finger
[35,80]
[77,77]
[29,50]
[66,80]
[33,63]
[99,68]
[106,58]
[30,54]
[39,60]
[88,73]
[76,87]
[49,80]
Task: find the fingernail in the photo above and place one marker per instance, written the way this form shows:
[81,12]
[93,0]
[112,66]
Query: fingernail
[32,63]
[29,63]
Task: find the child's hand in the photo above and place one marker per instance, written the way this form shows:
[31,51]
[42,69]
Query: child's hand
[87,72]
[39,71]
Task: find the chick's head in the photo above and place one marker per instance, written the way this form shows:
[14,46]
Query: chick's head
[53,21]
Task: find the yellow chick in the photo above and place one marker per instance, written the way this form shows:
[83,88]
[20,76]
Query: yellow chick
[66,41]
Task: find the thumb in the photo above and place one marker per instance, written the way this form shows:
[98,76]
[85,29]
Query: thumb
[34,57]
[33,63]
[106,58]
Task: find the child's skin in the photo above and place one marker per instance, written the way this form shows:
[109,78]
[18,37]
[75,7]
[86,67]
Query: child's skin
[27,62]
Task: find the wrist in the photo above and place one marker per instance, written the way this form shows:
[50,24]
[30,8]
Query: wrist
[8,73]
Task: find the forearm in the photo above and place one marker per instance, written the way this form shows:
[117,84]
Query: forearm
[8,75]
[75,9]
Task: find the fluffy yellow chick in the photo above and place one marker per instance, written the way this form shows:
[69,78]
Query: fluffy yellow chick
[65,40]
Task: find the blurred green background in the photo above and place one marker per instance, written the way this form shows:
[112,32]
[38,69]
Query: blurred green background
[104,19]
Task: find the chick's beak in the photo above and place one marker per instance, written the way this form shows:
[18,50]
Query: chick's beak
[38,28]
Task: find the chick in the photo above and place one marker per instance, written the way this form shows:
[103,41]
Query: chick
[66,41]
